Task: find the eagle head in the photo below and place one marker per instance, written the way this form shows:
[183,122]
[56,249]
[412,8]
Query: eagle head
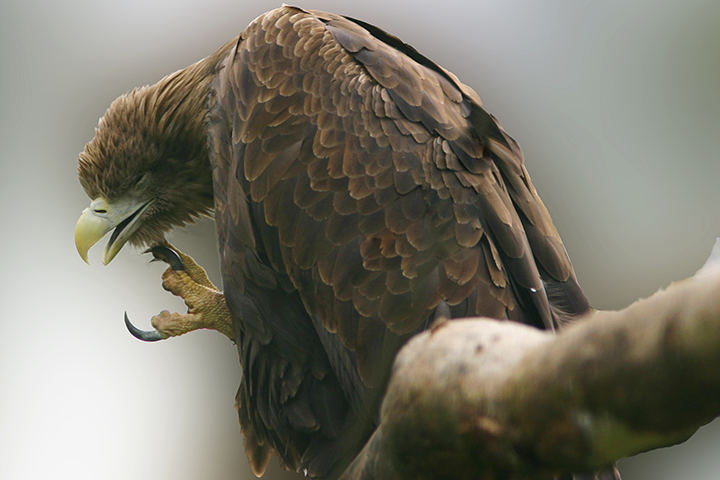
[147,169]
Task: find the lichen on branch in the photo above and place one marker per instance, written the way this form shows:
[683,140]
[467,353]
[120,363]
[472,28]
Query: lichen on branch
[480,398]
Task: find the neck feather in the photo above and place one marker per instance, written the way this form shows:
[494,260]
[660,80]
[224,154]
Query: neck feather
[177,107]
[164,122]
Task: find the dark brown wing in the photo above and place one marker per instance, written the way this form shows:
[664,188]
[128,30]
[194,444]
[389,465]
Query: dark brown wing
[358,187]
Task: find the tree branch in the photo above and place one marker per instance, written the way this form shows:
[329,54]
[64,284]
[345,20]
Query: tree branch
[486,399]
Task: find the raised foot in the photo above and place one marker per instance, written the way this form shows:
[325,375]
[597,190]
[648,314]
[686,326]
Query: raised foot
[189,281]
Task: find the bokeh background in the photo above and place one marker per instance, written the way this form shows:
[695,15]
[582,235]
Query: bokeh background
[616,105]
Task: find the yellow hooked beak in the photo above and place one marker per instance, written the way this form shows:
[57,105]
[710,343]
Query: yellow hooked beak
[101,217]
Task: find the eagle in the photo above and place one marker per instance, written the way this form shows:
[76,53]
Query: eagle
[360,192]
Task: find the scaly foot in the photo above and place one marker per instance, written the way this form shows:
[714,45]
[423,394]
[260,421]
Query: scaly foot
[189,281]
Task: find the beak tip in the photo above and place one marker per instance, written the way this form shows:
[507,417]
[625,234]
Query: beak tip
[109,254]
[83,252]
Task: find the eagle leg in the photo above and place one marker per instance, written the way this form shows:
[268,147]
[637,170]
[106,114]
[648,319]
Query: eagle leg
[189,281]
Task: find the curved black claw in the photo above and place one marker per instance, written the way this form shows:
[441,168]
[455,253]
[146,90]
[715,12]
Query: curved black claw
[167,255]
[144,335]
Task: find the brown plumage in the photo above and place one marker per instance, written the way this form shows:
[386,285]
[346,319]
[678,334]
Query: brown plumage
[358,189]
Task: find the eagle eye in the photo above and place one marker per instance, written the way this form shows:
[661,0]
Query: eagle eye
[141,180]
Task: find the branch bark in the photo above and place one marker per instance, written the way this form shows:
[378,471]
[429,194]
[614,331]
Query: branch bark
[486,399]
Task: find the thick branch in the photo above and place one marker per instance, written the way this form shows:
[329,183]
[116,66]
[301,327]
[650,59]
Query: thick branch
[488,399]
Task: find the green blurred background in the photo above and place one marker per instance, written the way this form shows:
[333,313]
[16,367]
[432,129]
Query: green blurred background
[616,105]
